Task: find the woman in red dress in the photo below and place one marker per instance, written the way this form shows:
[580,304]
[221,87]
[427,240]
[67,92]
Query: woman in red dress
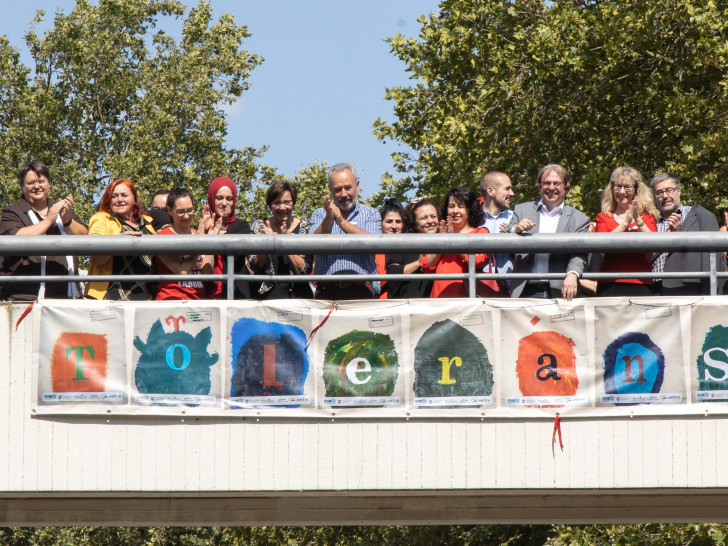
[461,213]
[627,205]
[181,208]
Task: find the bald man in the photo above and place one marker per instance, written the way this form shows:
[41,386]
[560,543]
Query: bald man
[497,192]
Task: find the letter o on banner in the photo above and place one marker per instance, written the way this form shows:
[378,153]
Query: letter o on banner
[186,357]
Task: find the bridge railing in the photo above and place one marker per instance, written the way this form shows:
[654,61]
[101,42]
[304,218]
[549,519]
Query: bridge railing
[235,245]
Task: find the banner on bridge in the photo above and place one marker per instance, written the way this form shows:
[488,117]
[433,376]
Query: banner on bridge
[468,358]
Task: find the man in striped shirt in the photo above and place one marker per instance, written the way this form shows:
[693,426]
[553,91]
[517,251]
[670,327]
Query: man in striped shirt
[343,214]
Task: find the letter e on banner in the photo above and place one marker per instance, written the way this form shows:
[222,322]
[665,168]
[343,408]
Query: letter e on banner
[79,363]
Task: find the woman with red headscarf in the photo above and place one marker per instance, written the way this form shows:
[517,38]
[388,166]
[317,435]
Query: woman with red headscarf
[218,216]
[120,213]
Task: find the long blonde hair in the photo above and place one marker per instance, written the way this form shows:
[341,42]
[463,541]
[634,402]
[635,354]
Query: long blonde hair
[642,192]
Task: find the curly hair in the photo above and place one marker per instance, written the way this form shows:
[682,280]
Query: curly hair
[641,191]
[467,197]
[409,216]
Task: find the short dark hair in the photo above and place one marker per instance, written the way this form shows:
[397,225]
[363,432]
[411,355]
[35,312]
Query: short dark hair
[178,193]
[470,200]
[38,167]
[278,188]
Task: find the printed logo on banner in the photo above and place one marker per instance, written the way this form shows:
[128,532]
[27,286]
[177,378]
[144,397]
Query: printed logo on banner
[450,361]
[174,362]
[79,362]
[270,360]
[546,365]
[360,363]
[633,364]
[712,364]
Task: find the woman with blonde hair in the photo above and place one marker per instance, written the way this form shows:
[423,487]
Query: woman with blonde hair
[627,206]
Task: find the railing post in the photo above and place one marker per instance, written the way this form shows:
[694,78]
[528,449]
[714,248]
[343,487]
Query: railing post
[713,260]
[471,276]
[230,271]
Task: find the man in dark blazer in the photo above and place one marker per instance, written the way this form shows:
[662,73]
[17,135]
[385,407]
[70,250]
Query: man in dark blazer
[549,214]
[674,216]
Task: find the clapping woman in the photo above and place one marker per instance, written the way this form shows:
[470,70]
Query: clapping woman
[180,206]
[36,214]
[218,216]
[281,200]
[120,213]
[421,216]
[627,206]
[461,213]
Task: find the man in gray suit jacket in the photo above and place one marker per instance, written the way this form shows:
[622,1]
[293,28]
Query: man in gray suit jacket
[549,215]
[674,216]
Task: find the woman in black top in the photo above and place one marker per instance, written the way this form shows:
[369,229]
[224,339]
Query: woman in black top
[421,216]
[281,199]
[218,216]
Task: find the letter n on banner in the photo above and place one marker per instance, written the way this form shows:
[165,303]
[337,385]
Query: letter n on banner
[81,355]
[638,349]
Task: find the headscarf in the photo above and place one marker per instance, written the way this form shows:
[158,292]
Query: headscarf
[214,187]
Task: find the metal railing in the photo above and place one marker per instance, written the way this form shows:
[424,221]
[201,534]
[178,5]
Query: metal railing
[233,245]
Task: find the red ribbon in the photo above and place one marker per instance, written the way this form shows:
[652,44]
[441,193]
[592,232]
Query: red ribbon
[331,310]
[557,429]
[25,314]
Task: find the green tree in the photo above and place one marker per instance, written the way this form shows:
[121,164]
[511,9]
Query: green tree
[109,98]
[589,84]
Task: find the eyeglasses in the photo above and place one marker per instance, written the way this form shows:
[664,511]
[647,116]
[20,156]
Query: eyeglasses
[557,185]
[36,182]
[286,203]
[666,191]
[182,212]
[625,189]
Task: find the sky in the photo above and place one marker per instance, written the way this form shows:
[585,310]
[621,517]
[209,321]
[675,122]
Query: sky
[321,86]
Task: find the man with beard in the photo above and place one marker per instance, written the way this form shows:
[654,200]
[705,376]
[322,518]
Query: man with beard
[343,214]
[674,216]
[550,214]
[497,192]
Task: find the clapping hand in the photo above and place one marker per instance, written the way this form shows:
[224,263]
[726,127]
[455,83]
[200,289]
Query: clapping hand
[332,209]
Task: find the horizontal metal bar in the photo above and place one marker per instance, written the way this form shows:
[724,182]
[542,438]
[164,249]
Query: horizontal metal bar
[473,243]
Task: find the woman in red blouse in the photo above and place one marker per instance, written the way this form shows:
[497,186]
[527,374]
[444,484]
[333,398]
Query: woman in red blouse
[461,213]
[627,205]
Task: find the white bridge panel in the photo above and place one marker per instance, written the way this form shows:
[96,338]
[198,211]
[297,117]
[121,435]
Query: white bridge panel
[90,457]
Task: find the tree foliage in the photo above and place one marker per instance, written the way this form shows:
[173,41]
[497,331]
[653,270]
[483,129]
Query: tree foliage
[589,84]
[109,97]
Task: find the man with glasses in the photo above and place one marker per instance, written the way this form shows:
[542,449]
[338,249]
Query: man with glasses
[674,216]
[549,214]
